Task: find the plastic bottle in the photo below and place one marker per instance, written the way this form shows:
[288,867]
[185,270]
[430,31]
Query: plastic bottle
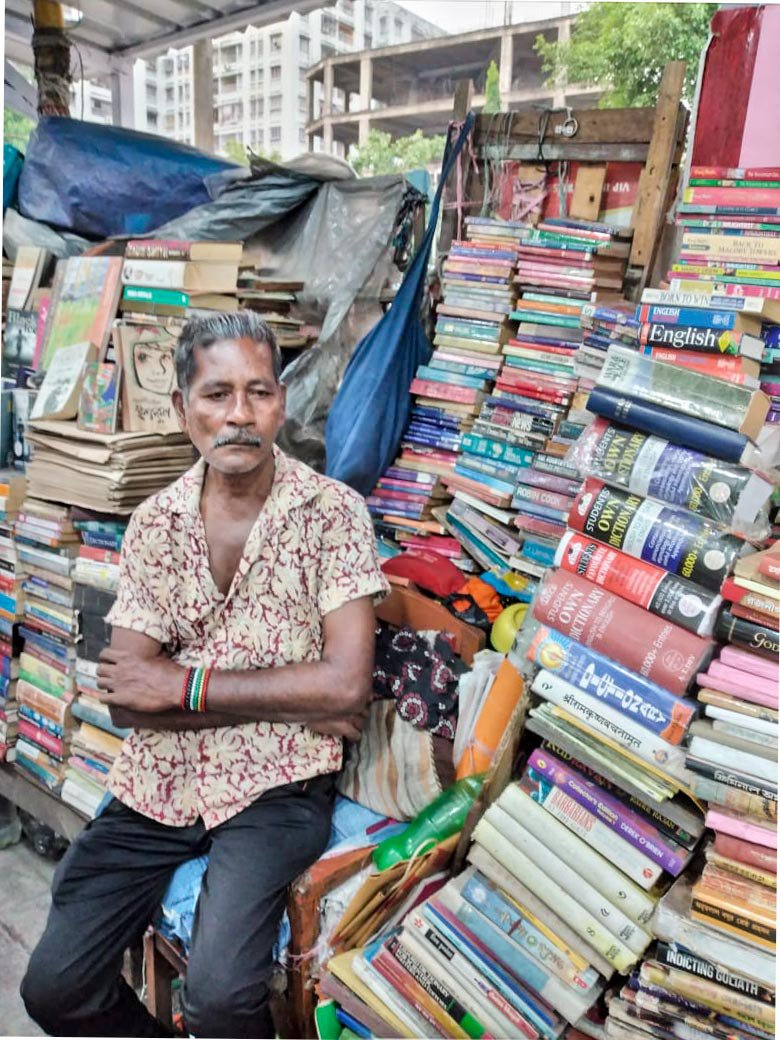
[443,817]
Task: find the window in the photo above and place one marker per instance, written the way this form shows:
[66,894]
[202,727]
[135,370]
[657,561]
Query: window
[182,62]
[302,136]
[151,120]
[346,33]
[303,46]
[151,94]
[169,94]
[303,106]
[328,25]
[398,25]
[383,25]
[229,84]
[276,73]
[168,66]
[255,80]
[256,108]
[276,134]
[170,121]
[184,92]
[276,104]
[276,43]
[256,138]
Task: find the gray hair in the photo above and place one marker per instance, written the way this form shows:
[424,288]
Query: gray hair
[201,333]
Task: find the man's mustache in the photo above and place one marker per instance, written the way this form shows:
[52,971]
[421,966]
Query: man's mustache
[251,440]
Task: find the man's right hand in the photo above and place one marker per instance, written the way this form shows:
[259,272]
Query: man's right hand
[350,727]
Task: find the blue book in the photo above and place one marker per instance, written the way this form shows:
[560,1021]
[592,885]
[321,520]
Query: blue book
[508,474]
[672,426]
[498,451]
[697,317]
[650,705]
[475,545]
[102,540]
[41,775]
[510,988]
[462,368]
[48,644]
[7,603]
[87,714]
[538,552]
[503,487]
[437,375]
[557,516]
[499,254]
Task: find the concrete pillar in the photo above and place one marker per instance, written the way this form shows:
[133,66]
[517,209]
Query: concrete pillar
[366,90]
[505,66]
[327,109]
[203,95]
[123,95]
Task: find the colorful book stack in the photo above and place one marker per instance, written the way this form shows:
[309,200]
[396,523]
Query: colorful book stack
[12,575]
[582,259]
[409,501]
[175,278]
[96,741]
[601,327]
[730,255]
[46,543]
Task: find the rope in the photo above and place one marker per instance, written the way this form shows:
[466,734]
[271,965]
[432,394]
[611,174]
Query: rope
[463,159]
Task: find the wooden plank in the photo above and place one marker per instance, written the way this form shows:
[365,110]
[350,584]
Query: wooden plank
[586,197]
[649,208]
[594,126]
[464,91]
[572,150]
[40,803]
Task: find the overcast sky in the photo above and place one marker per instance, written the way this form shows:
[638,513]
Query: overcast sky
[463,15]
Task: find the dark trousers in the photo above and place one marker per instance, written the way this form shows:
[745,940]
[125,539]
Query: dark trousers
[109,885]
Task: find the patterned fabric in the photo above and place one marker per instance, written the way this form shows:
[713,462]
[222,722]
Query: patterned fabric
[310,551]
[420,671]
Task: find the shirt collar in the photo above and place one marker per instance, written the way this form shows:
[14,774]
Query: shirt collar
[294,484]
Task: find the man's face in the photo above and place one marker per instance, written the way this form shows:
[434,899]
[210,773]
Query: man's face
[234,408]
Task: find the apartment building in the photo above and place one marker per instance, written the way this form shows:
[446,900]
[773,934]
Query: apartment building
[260,83]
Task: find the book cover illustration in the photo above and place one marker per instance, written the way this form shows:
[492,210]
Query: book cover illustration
[19,340]
[99,399]
[84,300]
[148,377]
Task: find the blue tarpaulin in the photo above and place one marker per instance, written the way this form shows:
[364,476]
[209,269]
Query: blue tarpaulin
[103,180]
[371,410]
[12,168]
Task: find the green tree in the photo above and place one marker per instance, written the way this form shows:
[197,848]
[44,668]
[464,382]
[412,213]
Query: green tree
[624,48]
[492,91]
[16,129]
[381,154]
[236,152]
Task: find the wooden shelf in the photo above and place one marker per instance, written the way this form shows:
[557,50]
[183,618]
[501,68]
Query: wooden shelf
[40,803]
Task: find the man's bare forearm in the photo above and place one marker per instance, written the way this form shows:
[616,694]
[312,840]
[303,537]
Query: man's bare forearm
[173,720]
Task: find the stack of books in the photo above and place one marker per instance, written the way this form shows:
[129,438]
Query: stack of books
[12,490]
[46,543]
[274,300]
[581,259]
[177,279]
[600,328]
[730,255]
[96,741]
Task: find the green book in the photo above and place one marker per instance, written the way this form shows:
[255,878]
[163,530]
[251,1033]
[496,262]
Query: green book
[163,297]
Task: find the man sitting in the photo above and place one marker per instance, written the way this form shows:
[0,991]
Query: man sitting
[241,655]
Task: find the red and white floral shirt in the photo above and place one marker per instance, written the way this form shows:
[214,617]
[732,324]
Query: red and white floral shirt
[310,551]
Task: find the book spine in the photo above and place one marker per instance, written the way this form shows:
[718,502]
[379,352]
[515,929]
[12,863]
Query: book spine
[731,369]
[687,337]
[706,907]
[675,956]
[709,790]
[566,1001]
[627,909]
[761,639]
[434,940]
[54,745]
[40,721]
[506,915]
[641,583]
[412,993]
[698,991]
[651,705]
[697,434]
[711,400]
[621,631]
[769,566]
[746,852]
[611,812]
[550,892]
[591,830]
[680,543]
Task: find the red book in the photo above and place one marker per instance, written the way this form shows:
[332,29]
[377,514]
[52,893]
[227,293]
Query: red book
[495,498]
[88,552]
[528,390]
[728,368]
[714,196]
[544,528]
[733,173]
[572,255]
[769,566]
[755,616]
[746,852]
[543,348]
[754,600]
[401,496]
[444,391]
[649,645]
[41,737]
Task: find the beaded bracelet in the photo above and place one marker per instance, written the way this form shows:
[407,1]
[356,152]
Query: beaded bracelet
[193,696]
